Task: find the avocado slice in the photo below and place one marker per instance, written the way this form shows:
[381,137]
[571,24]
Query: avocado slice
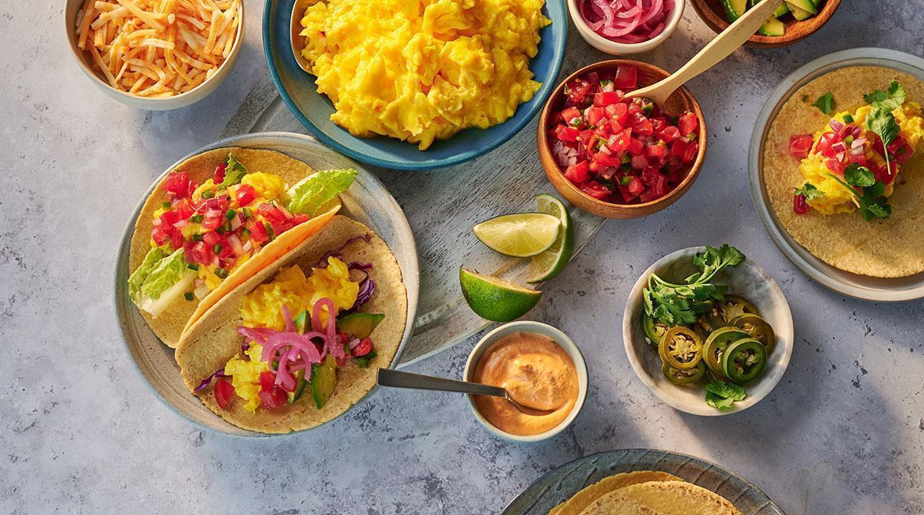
[805,5]
[359,325]
[783,10]
[323,381]
[773,27]
[302,322]
[299,387]
[800,14]
[734,9]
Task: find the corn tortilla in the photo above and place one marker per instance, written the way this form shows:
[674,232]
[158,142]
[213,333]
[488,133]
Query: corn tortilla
[581,500]
[666,498]
[169,325]
[882,248]
[213,339]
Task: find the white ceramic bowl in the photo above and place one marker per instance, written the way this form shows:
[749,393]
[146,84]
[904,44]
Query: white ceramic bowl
[613,48]
[549,332]
[149,104]
[748,280]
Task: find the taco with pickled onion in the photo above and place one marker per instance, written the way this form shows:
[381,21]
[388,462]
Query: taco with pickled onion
[301,341]
[215,221]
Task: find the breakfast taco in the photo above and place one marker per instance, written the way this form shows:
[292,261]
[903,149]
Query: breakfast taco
[843,173]
[215,221]
[300,342]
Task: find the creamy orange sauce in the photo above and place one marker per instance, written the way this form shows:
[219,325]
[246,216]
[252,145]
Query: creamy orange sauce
[538,374]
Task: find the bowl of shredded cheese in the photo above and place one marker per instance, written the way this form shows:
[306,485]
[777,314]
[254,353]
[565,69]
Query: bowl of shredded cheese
[156,54]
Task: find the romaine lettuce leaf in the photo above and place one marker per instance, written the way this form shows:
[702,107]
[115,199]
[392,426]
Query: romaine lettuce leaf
[141,273]
[234,172]
[168,279]
[318,189]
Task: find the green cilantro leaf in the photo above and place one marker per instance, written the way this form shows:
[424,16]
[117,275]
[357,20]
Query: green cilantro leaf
[234,172]
[876,96]
[809,191]
[721,395]
[857,175]
[882,122]
[897,92]
[876,209]
[872,203]
[825,103]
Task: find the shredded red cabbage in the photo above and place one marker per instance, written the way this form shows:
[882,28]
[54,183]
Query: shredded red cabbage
[322,263]
[366,284]
[208,380]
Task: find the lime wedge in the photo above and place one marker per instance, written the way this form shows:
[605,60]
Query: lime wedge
[553,260]
[496,299]
[520,235]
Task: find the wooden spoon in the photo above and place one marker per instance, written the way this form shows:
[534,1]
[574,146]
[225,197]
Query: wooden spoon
[718,49]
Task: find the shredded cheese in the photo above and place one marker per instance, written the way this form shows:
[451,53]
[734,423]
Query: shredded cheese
[157,48]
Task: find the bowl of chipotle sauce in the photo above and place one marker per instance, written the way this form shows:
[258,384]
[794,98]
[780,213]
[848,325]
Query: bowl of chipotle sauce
[543,370]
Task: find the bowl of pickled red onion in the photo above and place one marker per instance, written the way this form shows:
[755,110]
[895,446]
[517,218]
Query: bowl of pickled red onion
[625,27]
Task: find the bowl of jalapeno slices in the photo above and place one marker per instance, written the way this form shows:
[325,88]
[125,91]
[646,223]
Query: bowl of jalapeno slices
[708,331]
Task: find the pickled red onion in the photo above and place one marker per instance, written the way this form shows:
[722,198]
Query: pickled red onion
[626,21]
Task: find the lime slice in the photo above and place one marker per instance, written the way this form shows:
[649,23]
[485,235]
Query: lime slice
[520,235]
[553,260]
[496,299]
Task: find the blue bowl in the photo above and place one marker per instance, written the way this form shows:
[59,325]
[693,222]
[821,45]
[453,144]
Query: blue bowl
[313,110]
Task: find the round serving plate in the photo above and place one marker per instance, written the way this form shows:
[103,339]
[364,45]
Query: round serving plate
[563,482]
[366,201]
[853,285]
[298,90]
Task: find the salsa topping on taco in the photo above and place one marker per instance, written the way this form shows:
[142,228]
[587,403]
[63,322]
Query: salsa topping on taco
[853,163]
[204,232]
[298,331]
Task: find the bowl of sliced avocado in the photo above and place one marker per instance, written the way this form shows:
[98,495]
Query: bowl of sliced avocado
[794,21]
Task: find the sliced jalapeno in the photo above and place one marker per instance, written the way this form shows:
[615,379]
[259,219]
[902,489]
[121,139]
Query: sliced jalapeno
[757,328]
[716,344]
[654,330]
[683,377]
[744,360]
[681,348]
[732,307]
[711,376]
[702,306]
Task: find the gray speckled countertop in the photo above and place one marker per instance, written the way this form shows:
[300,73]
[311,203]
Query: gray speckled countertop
[80,433]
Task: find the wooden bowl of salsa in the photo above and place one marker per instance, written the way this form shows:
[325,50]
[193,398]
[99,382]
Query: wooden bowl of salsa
[630,159]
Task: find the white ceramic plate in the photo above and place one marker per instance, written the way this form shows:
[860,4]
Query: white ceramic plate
[861,287]
[366,201]
[748,280]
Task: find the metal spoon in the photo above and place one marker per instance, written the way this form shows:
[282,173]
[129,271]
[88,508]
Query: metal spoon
[295,26]
[718,49]
[395,379]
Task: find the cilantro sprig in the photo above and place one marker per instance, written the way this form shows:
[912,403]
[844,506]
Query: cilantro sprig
[672,304]
[809,191]
[722,396]
[825,103]
[872,203]
[881,121]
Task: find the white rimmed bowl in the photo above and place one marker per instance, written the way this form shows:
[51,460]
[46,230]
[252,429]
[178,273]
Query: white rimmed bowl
[748,280]
[149,104]
[613,48]
[563,341]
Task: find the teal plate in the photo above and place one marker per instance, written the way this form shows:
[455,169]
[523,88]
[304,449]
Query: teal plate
[563,482]
[297,88]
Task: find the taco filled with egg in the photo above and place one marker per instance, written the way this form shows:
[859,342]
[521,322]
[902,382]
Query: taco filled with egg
[216,220]
[301,341]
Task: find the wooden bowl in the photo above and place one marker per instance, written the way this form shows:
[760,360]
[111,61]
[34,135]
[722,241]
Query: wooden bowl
[713,15]
[682,100]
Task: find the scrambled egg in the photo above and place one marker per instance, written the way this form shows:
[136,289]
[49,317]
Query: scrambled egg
[263,306]
[266,186]
[836,198]
[245,375]
[420,70]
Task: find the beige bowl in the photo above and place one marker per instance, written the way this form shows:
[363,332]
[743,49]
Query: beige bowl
[149,104]
[612,47]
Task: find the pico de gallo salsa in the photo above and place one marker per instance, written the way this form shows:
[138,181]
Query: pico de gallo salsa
[620,150]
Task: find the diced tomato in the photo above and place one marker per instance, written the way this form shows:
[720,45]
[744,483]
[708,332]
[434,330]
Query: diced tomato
[198,252]
[677,173]
[824,144]
[603,160]
[570,114]
[626,77]
[650,176]
[224,390]
[565,133]
[244,195]
[669,133]
[271,213]
[679,148]
[799,205]
[836,165]
[620,142]
[364,347]
[657,152]
[596,190]
[900,150]
[576,90]
[578,172]
[211,238]
[219,176]
[687,123]
[885,175]
[636,147]
[800,145]
[595,114]
[605,98]
[690,154]
[272,397]
[160,235]
[178,185]
[656,190]
[299,219]
[258,233]
[639,162]
[859,158]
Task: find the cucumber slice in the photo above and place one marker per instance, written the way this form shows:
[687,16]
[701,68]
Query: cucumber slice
[359,325]
[805,5]
[323,381]
[773,27]
[734,9]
